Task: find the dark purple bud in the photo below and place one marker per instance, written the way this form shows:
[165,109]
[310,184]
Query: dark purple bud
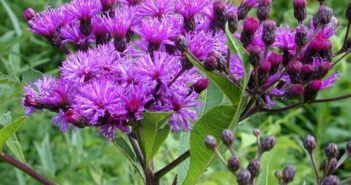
[312,90]
[320,43]
[107,4]
[268,144]
[30,101]
[294,70]
[28,14]
[211,142]
[315,85]
[250,25]
[72,116]
[211,63]
[287,56]
[186,64]
[296,90]
[289,173]
[228,137]
[263,9]
[278,175]
[120,44]
[181,44]
[244,9]
[326,67]
[189,23]
[243,177]
[201,85]
[348,12]
[275,59]
[234,163]
[219,8]
[348,147]
[294,66]
[300,10]
[309,143]
[255,55]
[307,69]
[301,36]
[232,18]
[331,180]
[265,67]
[331,151]
[268,35]
[256,132]
[254,168]
[332,166]
[324,15]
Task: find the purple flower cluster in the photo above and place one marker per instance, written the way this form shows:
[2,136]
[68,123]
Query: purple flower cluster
[127,59]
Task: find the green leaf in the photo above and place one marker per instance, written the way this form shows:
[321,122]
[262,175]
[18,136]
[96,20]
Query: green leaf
[154,132]
[13,143]
[46,157]
[7,131]
[30,76]
[214,97]
[235,46]
[219,118]
[212,123]
[13,17]
[8,78]
[222,83]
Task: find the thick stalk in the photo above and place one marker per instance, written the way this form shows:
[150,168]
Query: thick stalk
[25,168]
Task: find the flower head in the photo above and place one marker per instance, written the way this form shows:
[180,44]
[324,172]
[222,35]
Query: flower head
[47,22]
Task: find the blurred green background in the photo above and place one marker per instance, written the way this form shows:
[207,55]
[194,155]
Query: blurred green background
[82,157]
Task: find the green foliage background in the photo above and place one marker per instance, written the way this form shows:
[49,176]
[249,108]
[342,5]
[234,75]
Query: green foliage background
[83,157]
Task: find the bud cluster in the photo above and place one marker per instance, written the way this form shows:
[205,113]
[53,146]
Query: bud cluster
[244,175]
[287,63]
[330,164]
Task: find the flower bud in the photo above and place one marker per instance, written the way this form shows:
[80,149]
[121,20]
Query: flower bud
[244,9]
[278,175]
[220,18]
[330,180]
[312,90]
[250,25]
[300,10]
[315,85]
[301,36]
[309,143]
[307,70]
[29,14]
[232,18]
[348,147]
[268,35]
[254,168]
[243,177]
[320,43]
[268,144]
[294,70]
[324,15]
[256,132]
[186,64]
[264,67]
[181,44]
[348,12]
[211,142]
[289,173]
[227,137]
[211,63]
[189,23]
[120,44]
[30,101]
[72,116]
[263,9]
[234,163]
[275,59]
[255,55]
[331,151]
[296,90]
[201,85]
[332,166]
